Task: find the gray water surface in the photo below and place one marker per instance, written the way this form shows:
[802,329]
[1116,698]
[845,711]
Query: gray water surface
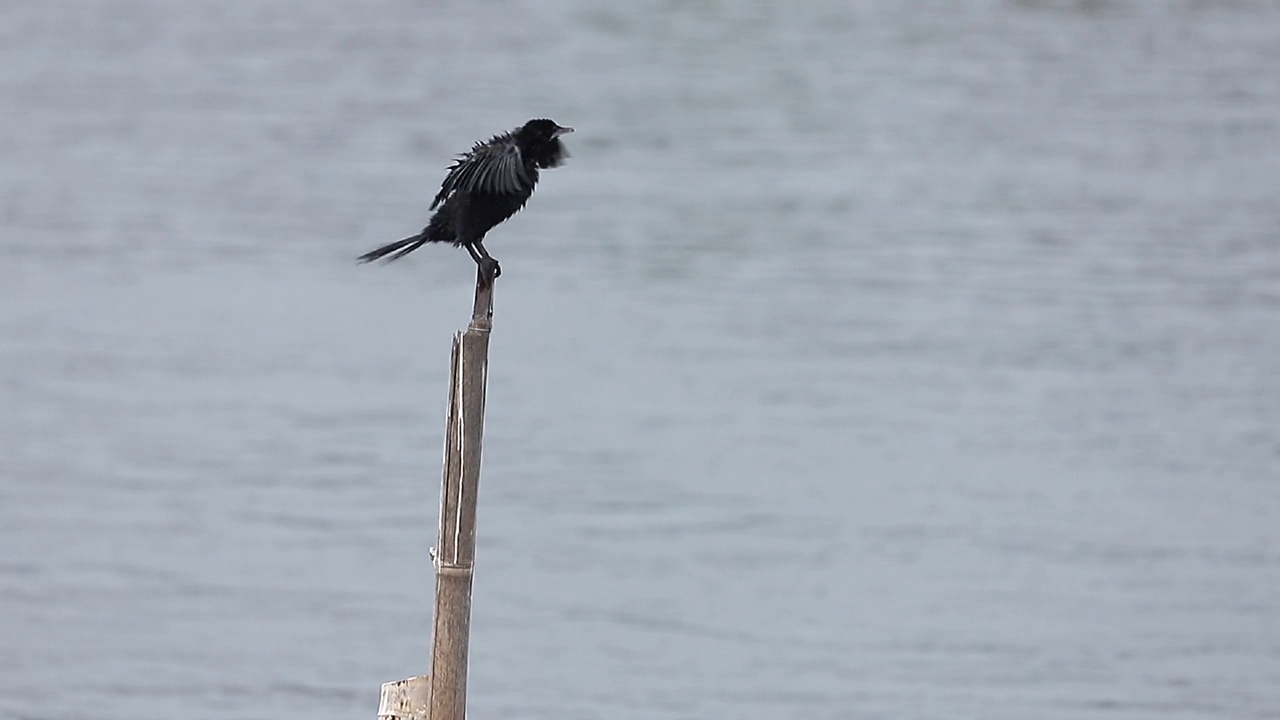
[867,360]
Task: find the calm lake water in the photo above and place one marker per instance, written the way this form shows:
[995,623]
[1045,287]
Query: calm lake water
[867,360]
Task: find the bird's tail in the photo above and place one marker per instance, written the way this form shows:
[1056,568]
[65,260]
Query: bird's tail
[395,250]
[439,229]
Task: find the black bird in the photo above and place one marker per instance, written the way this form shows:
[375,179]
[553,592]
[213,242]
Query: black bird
[483,188]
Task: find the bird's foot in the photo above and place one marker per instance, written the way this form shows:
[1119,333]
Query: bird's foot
[489,269]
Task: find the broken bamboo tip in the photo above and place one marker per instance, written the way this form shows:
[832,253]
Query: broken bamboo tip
[482,310]
[405,699]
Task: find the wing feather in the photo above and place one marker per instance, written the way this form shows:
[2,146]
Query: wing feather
[495,167]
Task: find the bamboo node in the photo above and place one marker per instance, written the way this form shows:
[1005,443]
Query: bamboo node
[443,568]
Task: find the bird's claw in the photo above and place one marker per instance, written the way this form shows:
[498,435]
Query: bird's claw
[490,269]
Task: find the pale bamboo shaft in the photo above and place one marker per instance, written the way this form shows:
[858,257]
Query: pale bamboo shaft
[456,544]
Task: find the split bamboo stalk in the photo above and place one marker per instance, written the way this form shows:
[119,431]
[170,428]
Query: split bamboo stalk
[443,695]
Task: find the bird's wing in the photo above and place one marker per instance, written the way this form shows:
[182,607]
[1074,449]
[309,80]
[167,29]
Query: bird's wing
[495,168]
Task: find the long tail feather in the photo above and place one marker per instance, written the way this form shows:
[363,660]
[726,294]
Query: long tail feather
[395,250]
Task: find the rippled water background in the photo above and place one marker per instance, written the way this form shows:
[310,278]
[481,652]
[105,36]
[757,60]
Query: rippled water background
[873,359]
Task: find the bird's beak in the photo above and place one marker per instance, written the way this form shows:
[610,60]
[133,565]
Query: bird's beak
[561,131]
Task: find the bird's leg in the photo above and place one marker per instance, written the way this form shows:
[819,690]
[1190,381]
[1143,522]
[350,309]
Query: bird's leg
[488,266]
[486,262]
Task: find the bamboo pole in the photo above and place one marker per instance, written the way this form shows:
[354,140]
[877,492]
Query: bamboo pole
[456,546]
[454,554]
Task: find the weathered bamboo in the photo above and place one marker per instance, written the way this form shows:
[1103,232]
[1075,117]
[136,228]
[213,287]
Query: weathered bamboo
[454,553]
[456,546]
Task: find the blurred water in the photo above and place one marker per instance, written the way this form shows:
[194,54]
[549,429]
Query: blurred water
[867,359]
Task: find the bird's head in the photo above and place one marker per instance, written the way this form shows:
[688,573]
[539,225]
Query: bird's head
[540,138]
